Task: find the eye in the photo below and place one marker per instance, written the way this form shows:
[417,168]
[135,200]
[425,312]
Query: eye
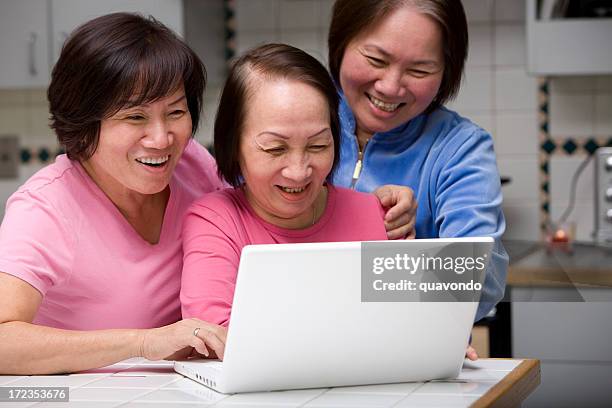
[376,62]
[275,151]
[318,147]
[177,113]
[419,73]
[135,118]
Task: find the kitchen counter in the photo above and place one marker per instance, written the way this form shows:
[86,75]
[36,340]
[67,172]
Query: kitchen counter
[138,382]
[531,264]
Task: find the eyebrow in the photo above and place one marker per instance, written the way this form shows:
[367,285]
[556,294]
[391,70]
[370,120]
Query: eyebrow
[287,137]
[179,99]
[387,55]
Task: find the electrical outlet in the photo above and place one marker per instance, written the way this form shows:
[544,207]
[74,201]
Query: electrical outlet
[9,156]
[603,195]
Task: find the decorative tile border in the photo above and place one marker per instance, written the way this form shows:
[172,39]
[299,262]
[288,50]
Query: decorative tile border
[550,145]
[39,155]
[230,30]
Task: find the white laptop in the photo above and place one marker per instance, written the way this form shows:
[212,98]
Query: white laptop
[310,316]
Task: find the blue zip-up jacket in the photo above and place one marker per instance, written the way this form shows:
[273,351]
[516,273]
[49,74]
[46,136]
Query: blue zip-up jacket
[450,164]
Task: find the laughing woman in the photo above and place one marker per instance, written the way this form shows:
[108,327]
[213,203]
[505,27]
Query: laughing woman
[276,142]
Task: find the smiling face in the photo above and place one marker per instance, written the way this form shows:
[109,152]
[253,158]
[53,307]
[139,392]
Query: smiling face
[286,151]
[391,72]
[140,146]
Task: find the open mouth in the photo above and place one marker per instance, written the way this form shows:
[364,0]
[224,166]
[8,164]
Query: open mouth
[384,106]
[292,190]
[153,161]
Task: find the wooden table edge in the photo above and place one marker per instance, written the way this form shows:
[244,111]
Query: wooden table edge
[514,387]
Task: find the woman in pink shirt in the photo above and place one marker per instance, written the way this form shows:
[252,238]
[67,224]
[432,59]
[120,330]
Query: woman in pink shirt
[90,250]
[276,142]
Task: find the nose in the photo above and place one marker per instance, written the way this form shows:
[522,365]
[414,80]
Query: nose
[297,168]
[391,84]
[158,135]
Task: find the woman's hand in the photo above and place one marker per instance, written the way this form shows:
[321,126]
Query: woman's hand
[401,210]
[179,340]
[471,354]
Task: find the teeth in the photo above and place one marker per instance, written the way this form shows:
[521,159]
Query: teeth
[387,107]
[293,190]
[153,160]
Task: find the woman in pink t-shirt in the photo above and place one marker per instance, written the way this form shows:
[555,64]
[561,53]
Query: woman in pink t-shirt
[276,142]
[90,252]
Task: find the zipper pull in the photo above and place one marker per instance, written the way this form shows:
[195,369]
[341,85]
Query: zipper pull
[356,172]
[358,166]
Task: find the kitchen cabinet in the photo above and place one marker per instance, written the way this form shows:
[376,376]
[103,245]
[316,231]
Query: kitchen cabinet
[32,32]
[561,308]
[567,46]
[69,14]
[24,44]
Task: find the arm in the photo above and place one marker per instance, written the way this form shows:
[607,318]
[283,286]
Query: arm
[469,203]
[211,254]
[27,348]
[401,215]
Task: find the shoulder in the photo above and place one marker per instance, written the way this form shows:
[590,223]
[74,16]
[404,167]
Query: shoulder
[453,128]
[222,203]
[349,201]
[197,170]
[455,136]
[59,184]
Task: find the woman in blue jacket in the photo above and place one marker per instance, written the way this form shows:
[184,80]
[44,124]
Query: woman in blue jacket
[396,63]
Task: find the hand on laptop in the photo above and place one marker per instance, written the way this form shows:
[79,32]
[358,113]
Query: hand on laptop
[181,339]
[471,353]
[401,215]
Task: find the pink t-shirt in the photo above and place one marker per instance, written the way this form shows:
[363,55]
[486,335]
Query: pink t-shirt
[220,224]
[62,235]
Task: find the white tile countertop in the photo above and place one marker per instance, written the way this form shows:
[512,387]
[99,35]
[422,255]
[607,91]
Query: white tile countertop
[142,383]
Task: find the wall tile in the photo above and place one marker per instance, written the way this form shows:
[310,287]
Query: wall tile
[485,120]
[524,187]
[299,14]
[517,133]
[37,96]
[307,40]
[38,122]
[480,47]
[522,221]
[11,97]
[562,170]
[256,14]
[510,44]
[478,10]
[13,120]
[248,39]
[476,91]
[603,114]
[514,89]
[573,84]
[572,114]
[510,10]
[325,13]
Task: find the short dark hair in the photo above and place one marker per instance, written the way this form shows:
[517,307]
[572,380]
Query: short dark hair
[350,18]
[272,61]
[117,61]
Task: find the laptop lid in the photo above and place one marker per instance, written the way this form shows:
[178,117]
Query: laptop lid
[310,315]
